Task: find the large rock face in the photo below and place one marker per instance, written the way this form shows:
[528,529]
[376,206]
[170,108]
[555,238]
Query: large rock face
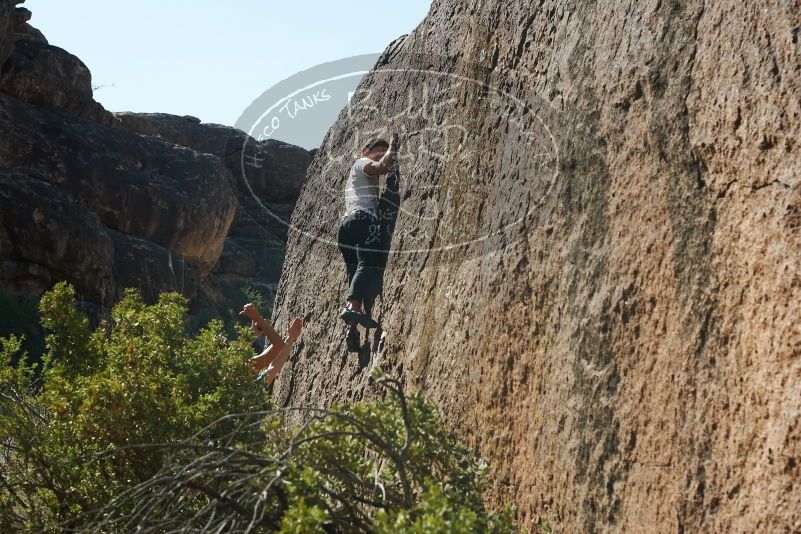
[173,198]
[36,72]
[281,166]
[596,271]
[7,25]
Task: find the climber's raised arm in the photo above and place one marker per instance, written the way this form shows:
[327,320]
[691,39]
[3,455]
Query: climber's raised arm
[382,166]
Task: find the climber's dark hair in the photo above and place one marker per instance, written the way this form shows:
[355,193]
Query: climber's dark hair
[375,143]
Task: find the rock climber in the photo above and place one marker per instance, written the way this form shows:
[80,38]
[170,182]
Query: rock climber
[272,357]
[359,236]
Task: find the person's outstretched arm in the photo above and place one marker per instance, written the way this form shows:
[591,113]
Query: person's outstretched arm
[276,355]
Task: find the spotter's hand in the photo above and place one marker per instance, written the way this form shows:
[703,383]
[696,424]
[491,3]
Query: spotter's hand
[250,311]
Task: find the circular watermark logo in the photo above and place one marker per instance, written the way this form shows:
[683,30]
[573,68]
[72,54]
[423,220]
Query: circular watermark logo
[474,162]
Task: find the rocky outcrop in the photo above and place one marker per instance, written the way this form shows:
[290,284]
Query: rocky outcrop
[7,24]
[36,72]
[596,271]
[279,167]
[154,190]
[26,31]
[170,201]
[46,75]
[266,177]
[152,268]
[139,200]
[22,30]
[46,236]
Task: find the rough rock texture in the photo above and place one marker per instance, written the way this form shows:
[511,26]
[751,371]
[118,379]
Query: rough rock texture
[281,166]
[151,268]
[98,206]
[606,309]
[26,31]
[75,182]
[253,252]
[7,24]
[47,75]
[36,72]
[47,236]
[154,190]
[22,14]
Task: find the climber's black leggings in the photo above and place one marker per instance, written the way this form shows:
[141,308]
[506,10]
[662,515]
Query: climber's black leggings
[359,240]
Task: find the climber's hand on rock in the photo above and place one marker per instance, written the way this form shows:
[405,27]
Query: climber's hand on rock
[250,311]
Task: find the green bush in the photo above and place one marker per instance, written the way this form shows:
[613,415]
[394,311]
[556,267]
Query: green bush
[137,380]
[380,467]
[137,425]
[253,295]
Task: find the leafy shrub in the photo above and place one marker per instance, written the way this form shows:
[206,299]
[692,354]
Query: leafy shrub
[138,426]
[253,295]
[382,467]
[139,379]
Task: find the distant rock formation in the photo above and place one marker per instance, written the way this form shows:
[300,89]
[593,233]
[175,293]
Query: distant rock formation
[596,270]
[254,249]
[109,201]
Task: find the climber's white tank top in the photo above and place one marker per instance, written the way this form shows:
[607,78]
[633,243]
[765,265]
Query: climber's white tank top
[361,189]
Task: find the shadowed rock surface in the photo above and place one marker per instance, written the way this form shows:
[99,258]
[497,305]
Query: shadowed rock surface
[598,279]
[8,22]
[151,268]
[280,164]
[46,236]
[23,30]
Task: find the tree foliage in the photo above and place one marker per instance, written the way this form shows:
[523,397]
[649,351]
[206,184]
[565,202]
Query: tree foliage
[136,425]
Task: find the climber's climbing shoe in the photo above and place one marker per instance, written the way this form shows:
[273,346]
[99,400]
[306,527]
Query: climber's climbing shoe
[349,316]
[353,317]
[353,341]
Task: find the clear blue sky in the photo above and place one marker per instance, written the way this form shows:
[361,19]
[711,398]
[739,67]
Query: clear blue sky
[210,58]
